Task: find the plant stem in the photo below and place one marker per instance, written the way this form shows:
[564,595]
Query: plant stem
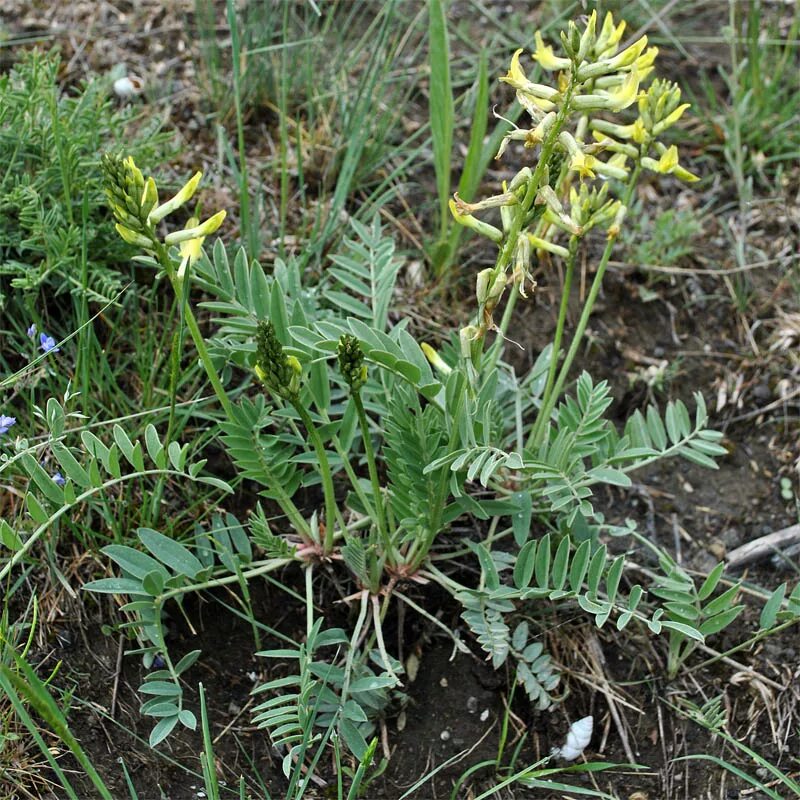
[369,452]
[325,474]
[309,599]
[547,406]
[164,259]
[268,566]
[541,421]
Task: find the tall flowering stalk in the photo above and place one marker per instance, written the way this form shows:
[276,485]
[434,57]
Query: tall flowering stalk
[134,201]
[587,166]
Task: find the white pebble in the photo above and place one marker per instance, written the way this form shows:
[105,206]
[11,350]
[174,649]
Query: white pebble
[128,86]
[444,735]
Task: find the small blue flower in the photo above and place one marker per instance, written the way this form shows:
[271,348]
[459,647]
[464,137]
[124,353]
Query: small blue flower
[58,479]
[6,423]
[159,662]
[32,330]
[47,344]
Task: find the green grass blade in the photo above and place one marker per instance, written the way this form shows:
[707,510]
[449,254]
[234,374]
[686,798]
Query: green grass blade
[441,108]
[26,683]
[475,162]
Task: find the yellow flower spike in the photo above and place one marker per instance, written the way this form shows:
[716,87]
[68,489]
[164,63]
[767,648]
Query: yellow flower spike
[668,160]
[609,36]
[628,56]
[684,174]
[197,231]
[668,164]
[534,97]
[149,196]
[515,76]
[647,59]
[546,57]
[192,248]
[183,196]
[640,134]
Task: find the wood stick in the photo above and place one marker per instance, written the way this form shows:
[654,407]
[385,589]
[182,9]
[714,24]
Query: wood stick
[763,546]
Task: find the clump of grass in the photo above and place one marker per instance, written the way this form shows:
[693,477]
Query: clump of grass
[327,75]
[663,239]
[51,201]
[759,120]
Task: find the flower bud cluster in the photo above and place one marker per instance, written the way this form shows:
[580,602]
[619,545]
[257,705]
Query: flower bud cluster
[134,202]
[351,362]
[277,371]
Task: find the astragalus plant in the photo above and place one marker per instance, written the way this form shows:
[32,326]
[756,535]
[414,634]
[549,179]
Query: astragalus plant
[390,441]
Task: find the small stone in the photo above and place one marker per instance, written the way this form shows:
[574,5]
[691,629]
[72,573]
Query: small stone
[717,549]
[412,667]
[762,392]
[484,715]
[444,735]
[443,683]
[472,704]
[128,86]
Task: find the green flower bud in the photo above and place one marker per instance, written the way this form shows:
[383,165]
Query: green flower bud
[351,362]
[131,237]
[588,38]
[482,283]
[278,372]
